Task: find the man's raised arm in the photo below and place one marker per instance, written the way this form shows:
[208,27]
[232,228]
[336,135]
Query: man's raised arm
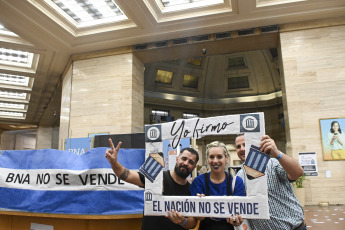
[120,171]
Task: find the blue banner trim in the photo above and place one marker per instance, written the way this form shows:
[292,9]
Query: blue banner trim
[73,202]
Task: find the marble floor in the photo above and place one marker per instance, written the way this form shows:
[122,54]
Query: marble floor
[330,217]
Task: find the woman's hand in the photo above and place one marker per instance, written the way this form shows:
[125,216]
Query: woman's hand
[200,195]
[235,220]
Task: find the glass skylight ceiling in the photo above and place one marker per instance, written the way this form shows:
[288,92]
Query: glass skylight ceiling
[91,12]
[11,79]
[11,105]
[15,87]
[13,95]
[11,114]
[15,57]
[189,3]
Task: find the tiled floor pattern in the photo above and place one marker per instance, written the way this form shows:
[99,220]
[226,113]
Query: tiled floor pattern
[325,218]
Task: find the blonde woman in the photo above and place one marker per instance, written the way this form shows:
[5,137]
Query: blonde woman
[217,183]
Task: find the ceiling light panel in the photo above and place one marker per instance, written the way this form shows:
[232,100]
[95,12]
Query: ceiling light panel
[164,77]
[186,4]
[265,3]
[4,106]
[16,80]
[169,3]
[90,12]
[13,95]
[190,81]
[11,114]
[15,57]
[172,10]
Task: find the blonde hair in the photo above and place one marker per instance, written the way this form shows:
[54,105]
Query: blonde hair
[217,144]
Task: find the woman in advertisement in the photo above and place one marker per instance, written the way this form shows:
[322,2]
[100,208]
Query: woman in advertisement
[336,141]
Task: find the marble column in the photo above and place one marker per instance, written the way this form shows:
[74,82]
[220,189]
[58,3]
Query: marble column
[314,89]
[102,95]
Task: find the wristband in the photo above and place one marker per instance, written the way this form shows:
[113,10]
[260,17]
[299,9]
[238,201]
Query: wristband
[280,156]
[184,222]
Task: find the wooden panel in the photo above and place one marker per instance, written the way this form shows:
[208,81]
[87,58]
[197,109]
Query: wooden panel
[15,222]
[5,222]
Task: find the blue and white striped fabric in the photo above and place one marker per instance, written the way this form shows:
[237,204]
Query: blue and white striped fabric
[151,168]
[61,182]
[256,159]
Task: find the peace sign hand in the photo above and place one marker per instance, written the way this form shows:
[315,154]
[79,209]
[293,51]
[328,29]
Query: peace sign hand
[112,153]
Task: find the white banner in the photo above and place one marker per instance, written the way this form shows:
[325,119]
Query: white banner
[63,180]
[220,207]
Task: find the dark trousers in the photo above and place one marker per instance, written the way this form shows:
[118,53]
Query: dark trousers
[210,224]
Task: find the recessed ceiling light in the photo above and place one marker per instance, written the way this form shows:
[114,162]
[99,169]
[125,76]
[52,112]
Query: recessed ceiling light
[90,12]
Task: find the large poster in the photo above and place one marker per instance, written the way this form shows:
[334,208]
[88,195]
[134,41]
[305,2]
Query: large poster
[254,205]
[333,138]
[61,182]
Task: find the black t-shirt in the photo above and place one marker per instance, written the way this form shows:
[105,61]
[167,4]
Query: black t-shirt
[170,188]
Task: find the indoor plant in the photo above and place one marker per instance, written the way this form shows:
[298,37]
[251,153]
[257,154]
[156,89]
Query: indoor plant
[299,181]
[300,190]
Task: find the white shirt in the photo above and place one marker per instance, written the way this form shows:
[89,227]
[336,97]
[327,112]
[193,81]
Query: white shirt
[336,145]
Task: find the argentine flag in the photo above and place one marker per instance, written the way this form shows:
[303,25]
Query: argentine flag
[61,182]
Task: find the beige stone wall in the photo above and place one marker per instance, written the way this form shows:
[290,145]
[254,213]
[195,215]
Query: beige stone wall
[18,140]
[8,140]
[65,108]
[47,137]
[106,96]
[44,137]
[137,96]
[314,88]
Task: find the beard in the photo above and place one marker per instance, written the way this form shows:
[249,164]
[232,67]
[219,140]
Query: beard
[180,172]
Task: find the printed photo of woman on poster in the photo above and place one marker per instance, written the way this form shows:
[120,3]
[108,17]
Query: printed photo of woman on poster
[333,138]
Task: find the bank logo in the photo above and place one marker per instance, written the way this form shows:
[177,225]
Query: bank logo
[250,123]
[148,196]
[153,133]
